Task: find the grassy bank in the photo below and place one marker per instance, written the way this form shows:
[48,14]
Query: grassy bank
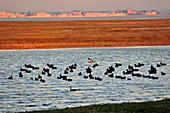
[84,33]
[162,106]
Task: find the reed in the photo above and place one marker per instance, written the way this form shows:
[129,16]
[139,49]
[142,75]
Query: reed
[83,33]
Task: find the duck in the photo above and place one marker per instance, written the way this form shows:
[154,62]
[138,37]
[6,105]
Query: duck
[67,69]
[163,64]
[71,70]
[98,78]
[28,71]
[106,73]
[117,76]
[91,60]
[65,72]
[42,72]
[111,75]
[127,72]
[85,76]
[10,77]
[46,70]
[72,67]
[73,89]
[153,77]
[20,74]
[28,66]
[35,68]
[90,76]
[137,74]
[54,67]
[138,65]
[79,73]
[31,78]
[39,76]
[88,70]
[21,69]
[96,64]
[122,77]
[118,64]
[162,73]
[128,78]
[75,64]
[36,79]
[130,67]
[146,76]
[50,65]
[158,65]
[69,79]
[152,70]
[42,80]
[48,74]
[135,69]
[59,77]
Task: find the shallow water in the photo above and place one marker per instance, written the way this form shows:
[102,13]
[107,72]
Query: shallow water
[23,94]
[84,18]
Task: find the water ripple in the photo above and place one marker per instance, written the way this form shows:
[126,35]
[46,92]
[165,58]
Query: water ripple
[24,94]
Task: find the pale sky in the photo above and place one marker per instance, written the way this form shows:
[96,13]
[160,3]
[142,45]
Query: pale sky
[82,5]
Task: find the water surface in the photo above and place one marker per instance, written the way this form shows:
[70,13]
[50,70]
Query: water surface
[23,94]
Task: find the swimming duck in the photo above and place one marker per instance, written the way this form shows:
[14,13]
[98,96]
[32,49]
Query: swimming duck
[75,64]
[138,65]
[21,69]
[122,77]
[20,74]
[85,76]
[28,66]
[46,70]
[88,70]
[95,65]
[48,74]
[65,72]
[128,78]
[35,68]
[69,79]
[10,77]
[111,75]
[118,64]
[71,70]
[98,78]
[91,60]
[162,73]
[73,89]
[42,80]
[39,76]
[163,64]
[50,65]
[43,72]
[80,73]
[54,67]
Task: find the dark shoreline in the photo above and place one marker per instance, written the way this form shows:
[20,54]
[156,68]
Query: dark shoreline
[160,106]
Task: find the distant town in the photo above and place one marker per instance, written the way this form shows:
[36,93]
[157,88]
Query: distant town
[77,13]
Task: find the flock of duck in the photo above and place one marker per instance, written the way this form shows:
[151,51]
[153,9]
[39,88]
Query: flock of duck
[131,70]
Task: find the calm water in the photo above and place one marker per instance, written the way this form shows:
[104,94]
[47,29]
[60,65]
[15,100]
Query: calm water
[23,94]
[83,18]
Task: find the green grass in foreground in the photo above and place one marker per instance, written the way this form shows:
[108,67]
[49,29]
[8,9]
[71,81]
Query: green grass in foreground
[162,106]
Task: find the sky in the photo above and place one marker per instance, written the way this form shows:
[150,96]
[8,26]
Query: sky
[81,5]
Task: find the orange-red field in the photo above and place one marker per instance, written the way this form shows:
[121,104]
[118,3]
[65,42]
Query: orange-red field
[84,33]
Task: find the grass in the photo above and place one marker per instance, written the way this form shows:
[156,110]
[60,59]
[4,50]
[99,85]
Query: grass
[162,106]
[83,33]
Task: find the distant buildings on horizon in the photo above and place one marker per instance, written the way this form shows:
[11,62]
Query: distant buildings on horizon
[77,13]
